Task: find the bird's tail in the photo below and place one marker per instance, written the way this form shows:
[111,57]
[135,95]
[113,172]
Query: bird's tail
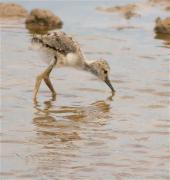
[36,41]
[36,38]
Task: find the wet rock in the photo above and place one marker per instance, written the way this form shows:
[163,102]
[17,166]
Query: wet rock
[11,10]
[162,25]
[167,8]
[40,19]
[128,11]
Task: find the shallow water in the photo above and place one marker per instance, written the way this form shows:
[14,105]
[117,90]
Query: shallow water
[84,133]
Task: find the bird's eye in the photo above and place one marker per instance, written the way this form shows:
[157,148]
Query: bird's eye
[105,71]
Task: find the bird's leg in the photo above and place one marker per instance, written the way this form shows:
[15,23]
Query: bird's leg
[49,84]
[37,85]
[45,76]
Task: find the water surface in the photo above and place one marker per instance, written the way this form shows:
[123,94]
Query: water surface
[85,134]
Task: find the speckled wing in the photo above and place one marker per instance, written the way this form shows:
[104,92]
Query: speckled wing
[59,42]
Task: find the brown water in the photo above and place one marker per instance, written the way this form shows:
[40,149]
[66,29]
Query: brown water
[85,134]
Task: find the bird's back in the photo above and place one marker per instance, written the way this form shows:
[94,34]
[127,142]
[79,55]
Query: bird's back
[61,45]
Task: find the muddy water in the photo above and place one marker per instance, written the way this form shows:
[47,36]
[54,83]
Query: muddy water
[84,133]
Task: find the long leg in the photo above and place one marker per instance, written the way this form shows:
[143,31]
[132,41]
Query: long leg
[49,84]
[45,76]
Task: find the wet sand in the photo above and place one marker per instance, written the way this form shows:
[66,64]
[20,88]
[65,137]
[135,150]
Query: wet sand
[85,134]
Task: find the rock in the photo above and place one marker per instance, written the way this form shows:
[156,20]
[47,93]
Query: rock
[162,26]
[10,10]
[167,8]
[40,19]
[128,11]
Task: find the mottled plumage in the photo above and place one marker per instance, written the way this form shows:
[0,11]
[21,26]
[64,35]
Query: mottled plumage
[58,41]
[61,45]
[62,50]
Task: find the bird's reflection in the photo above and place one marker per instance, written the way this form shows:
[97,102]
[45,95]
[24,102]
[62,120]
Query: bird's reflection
[62,133]
[65,122]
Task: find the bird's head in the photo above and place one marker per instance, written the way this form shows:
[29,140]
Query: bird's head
[101,69]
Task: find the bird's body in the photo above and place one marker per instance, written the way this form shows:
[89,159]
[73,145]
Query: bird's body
[63,46]
[61,50]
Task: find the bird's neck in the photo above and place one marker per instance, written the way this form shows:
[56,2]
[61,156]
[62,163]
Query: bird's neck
[88,67]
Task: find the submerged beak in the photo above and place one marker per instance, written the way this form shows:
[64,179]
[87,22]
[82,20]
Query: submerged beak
[107,81]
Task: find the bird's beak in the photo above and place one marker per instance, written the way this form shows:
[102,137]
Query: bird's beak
[107,81]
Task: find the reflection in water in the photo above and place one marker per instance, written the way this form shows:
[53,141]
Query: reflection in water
[62,132]
[36,30]
[62,121]
[164,37]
